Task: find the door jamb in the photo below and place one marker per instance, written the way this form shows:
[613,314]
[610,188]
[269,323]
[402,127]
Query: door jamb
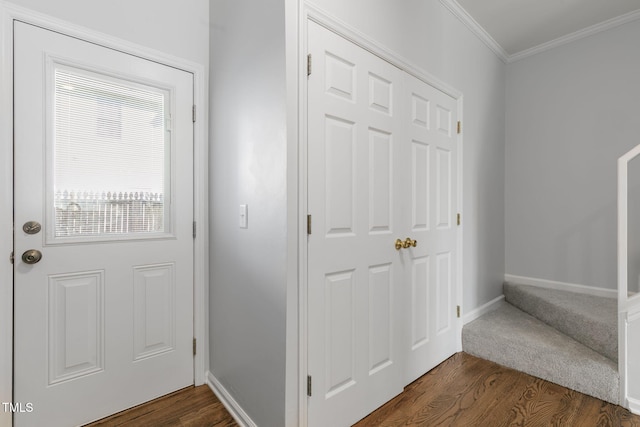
[310,13]
[10,13]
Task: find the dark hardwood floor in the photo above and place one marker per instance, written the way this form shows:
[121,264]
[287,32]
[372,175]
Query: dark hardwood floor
[462,391]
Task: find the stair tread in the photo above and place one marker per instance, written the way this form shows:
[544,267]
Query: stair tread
[589,319]
[515,339]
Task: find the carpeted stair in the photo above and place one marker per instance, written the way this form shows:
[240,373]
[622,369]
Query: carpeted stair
[563,337]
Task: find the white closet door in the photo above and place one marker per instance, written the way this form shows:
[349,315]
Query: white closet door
[381,168]
[432,331]
[355,282]
[104,165]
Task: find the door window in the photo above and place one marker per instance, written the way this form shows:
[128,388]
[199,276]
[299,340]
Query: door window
[110,158]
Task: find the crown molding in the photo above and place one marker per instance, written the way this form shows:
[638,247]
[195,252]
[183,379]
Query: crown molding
[577,35]
[458,11]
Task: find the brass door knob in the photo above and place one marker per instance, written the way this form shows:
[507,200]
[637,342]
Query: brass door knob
[399,244]
[31,256]
[409,243]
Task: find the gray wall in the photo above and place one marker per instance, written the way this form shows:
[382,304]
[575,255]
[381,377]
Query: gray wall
[429,36]
[572,111]
[248,165]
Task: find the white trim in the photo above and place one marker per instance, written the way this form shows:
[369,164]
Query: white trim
[494,304]
[303,210]
[236,411]
[6,213]
[577,35]
[459,12]
[293,71]
[9,13]
[310,12]
[460,228]
[622,359]
[562,286]
[634,406]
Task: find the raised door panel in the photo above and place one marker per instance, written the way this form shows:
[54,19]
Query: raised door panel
[380,181]
[340,334]
[154,321]
[76,325]
[340,156]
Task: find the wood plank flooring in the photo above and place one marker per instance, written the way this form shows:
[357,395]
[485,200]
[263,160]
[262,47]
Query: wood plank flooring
[192,407]
[462,391]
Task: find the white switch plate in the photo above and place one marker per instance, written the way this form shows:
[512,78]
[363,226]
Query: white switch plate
[244,221]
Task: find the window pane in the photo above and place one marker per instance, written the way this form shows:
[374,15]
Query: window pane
[110,156]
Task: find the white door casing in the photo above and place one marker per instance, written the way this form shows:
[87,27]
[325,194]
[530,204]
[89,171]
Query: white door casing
[382,166]
[101,324]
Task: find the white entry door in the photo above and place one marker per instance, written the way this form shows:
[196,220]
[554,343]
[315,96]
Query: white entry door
[381,172]
[103,274]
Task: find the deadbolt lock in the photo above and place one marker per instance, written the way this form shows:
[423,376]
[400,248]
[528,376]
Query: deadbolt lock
[31,227]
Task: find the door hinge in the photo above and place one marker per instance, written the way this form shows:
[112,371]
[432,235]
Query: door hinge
[193,114]
[195,226]
[308,224]
[11,258]
[308,65]
[458,311]
[459,126]
[309,385]
[459,220]
[194,346]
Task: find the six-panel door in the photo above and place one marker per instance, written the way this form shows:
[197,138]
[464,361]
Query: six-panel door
[381,167]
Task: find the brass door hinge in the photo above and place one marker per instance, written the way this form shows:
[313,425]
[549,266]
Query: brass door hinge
[308,65]
[309,385]
[194,346]
[308,224]
[459,219]
[459,126]
[458,311]
[11,258]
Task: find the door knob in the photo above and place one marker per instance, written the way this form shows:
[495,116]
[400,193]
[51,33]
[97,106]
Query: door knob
[399,244]
[408,243]
[31,256]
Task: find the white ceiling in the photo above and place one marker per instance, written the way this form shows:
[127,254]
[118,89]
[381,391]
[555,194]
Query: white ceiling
[519,25]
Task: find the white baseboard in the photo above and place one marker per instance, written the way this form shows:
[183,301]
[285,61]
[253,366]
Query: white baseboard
[562,286]
[484,309]
[634,406]
[229,402]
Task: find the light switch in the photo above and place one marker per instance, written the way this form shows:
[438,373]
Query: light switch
[243,217]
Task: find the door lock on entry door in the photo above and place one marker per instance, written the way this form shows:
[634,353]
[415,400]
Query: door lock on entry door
[32,256]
